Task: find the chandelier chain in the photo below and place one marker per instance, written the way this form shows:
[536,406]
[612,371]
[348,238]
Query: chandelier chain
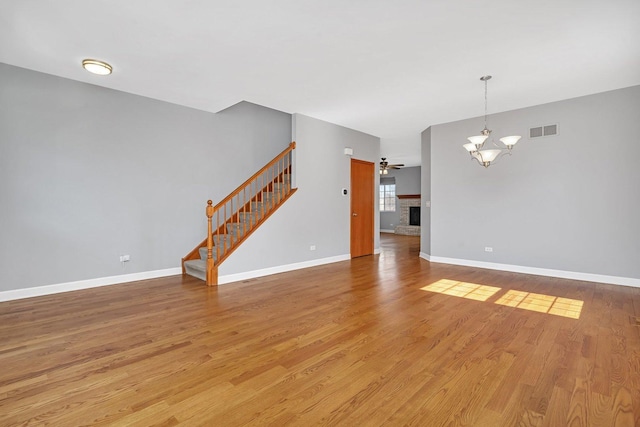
[485,104]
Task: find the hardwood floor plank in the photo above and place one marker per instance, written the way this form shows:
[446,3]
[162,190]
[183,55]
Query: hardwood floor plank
[558,410]
[623,407]
[364,342]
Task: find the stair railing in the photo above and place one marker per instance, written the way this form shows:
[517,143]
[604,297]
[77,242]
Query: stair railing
[233,219]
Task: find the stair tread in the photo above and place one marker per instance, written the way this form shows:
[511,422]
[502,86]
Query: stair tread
[197,264]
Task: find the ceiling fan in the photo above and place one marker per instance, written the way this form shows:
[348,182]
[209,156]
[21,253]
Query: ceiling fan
[385,166]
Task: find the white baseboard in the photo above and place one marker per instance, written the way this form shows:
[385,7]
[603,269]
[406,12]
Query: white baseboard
[229,278]
[114,280]
[133,277]
[574,275]
[382,230]
[86,284]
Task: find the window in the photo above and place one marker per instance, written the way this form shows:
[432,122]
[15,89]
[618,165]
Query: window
[387,197]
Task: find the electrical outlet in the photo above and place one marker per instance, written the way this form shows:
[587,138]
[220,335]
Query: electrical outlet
[312,247]
[488,249]
[125,258]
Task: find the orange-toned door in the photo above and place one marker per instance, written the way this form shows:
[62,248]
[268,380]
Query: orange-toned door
[362,207]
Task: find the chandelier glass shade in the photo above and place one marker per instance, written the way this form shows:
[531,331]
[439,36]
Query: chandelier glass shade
[475,146]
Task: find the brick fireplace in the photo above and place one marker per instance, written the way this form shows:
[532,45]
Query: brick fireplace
[408,201]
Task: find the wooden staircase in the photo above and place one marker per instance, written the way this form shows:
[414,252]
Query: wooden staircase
[231,222]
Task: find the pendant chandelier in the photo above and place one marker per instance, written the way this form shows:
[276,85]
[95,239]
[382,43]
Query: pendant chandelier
[475,146]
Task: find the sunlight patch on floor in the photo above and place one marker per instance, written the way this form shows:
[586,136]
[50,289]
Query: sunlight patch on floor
[462,289]
[541,303]
[566,307]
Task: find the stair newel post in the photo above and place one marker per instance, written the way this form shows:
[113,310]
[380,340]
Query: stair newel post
[212,277]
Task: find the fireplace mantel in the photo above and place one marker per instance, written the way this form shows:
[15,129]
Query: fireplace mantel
[408,196]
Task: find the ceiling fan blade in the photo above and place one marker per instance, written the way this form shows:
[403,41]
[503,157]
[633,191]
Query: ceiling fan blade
[385,165]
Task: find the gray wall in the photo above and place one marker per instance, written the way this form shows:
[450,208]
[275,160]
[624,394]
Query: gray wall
[425,181]
[407,182]
[569,202]
[318,214]
[88,174]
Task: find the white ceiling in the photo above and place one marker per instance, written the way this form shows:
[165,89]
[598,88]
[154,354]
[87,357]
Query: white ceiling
[387,68]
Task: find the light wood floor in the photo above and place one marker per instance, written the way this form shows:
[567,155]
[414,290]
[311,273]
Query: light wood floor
[356,343]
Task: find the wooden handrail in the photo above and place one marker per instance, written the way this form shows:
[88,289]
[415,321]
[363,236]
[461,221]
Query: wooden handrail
[235,192]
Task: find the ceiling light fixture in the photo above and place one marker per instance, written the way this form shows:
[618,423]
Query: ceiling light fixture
[476,143]
[97,67]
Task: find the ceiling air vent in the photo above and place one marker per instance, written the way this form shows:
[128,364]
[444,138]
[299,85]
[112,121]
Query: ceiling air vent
[548,130]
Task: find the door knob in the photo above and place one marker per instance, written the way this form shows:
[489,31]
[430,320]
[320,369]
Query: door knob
[354,214]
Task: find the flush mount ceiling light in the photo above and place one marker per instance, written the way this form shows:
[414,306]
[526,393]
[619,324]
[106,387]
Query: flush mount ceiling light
[476,143]
[97,67]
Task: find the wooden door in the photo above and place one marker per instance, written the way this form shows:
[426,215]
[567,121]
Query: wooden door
[362,207]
